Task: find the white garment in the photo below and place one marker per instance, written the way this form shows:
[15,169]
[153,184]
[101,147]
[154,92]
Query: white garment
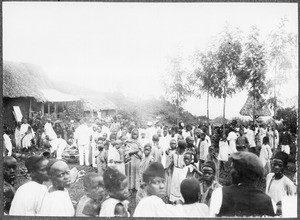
[18,138]
[207,138]
[195,210]
[153,206]
[289,206]
[7,143]
[279,188]
[57,203]
[265,154]
[285,148]
[105,130]
[28,199]
[83,135]
[204,145]
[108,207]
[150,131]
[23,129]
[232,142]
[165,145]
[251,138]
[49,131]
[223,151]
[84,154]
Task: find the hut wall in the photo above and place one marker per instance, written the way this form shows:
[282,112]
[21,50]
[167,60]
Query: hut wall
[105,113]
[8,103]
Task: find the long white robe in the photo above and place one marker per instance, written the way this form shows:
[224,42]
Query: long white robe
[57,203]
[28,199]
[50,131]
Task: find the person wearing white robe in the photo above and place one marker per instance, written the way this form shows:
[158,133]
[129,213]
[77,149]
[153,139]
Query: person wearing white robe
[29,197]
[7,145]
[57,201]
[49,131]
[232,141]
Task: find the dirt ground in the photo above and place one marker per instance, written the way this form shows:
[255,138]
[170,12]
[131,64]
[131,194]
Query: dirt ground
[76,190]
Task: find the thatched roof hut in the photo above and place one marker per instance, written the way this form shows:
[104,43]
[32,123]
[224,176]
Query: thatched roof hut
[24,80]
[260,108]
[98,103]
[218,121]
[28,80]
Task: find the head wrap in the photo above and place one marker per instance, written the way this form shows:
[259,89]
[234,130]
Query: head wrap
[155,169]
[210,164]
[282,156]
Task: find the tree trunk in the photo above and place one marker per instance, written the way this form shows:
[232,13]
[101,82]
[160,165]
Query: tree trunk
[224,104]
[207,105]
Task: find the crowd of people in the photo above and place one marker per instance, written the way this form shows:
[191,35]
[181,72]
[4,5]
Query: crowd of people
[172,171]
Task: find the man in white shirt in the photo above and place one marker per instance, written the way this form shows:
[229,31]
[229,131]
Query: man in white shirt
[29,197]
[83,136]
[49,131]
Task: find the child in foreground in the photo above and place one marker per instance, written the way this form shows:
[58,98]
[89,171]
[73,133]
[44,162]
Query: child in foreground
[116,185]
[190,189]
[152,205]
[89,204]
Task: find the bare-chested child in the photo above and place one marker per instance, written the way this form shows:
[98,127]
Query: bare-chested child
[90,203]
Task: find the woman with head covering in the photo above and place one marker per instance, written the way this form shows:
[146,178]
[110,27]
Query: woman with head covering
[134,154]
[57,201]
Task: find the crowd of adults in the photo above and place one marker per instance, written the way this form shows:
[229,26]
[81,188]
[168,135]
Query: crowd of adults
[173,171]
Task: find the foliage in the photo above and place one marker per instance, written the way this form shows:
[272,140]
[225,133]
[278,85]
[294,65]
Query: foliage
[282,57]
[289,116]
[254,68]
[177,89]
[75,110]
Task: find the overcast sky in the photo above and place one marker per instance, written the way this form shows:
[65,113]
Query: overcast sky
[126,46]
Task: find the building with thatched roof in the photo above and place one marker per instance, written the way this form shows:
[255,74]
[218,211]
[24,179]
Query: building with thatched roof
[30,89]
[261,109]
[99,105]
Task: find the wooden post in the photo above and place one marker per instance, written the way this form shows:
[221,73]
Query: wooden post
[49,108]
[43,108]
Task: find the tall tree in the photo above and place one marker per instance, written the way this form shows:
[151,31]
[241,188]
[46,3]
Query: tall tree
[177,89]
[253,70]
[227,62]
[282,58]
[203,78]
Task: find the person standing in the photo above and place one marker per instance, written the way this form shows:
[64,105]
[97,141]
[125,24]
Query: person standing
[29,197]
[18,137]
[49,131]
[9,177]
[231,138]
[242,198]
[285,140]
[83,136]
[134,152]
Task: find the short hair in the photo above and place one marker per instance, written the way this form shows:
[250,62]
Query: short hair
[155,138]
[148,145]
[32,163]
[8,158]
[88,178]
[189,189]
[181,144]
[266,140]
[284,157]
[113,179]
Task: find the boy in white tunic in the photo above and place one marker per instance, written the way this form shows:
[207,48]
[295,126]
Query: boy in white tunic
[28,198]
[152,205]
[57,201]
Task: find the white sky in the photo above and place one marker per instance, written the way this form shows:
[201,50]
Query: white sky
[125,46]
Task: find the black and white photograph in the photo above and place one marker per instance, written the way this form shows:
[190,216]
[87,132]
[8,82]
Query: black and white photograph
[150,109]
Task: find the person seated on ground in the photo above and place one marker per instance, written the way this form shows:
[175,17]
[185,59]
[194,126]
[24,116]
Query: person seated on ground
[116,186]
[57,201]
[90,203]
[9,177]
[190,189]
[242,198]
[28,198]
[277,184]
[208,183]
[152,205]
